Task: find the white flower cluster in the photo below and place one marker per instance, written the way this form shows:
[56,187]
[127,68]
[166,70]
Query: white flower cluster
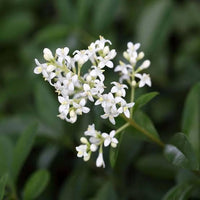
[96,140]
[128,71]
[80,78]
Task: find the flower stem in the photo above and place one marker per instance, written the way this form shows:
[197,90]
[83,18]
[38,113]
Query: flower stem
[122,128]
[145,132]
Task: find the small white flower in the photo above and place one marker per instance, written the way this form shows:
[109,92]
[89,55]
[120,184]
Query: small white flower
[110,113]
[48,56]
[80,107]
[105,62]
[65,103]
[110,139]
[123,68]
[144,79]
[91,131]
[119,89]
[63,54]
[81,56]
[124,108]
[100,162]
[97,72]
[82,150]
[87,92]
[101,42]
[39,67]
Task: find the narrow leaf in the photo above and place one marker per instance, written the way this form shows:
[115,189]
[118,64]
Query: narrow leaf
[47,105]
[144,99]
[22,149]
[3,182]
[179,192]
[114,151]
[180,153]
[6,154]
[191,119]
[36,184]
[145,122]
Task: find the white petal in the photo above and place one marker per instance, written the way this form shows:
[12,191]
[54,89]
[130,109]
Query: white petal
[106,142]
[38,70]
[112,134]
[86,109]
[109,64]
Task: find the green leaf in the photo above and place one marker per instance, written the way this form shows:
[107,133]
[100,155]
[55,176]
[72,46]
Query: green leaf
[180,153]
[114,151]
[47,106]
[65,10]
[36,184]
[145,122]
[104,13]
[179,192]
[6,155]
[51,33]
[156,165]
[154,24]
[21,22]
[191,119]
[3,182]
[144,99]
[76,185]
[22,149]
[106,192]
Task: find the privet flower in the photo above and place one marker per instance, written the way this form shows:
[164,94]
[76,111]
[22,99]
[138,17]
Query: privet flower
[64,72]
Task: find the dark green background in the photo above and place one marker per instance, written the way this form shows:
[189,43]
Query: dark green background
[169,33]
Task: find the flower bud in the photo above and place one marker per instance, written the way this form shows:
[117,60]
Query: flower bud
[93,147]
[140,55]
[84,140]
[47,54]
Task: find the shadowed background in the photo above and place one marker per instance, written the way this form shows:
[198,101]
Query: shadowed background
[169,35]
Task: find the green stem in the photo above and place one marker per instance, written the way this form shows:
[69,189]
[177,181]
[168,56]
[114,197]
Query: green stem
[145,132]
[122,128]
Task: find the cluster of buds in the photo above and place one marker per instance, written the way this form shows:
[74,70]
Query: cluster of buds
[76,84]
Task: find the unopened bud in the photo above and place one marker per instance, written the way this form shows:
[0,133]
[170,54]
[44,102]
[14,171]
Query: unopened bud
[83,140]
[47,54]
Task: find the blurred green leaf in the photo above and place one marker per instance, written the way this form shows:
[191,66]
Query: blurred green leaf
[180,153]
[65,11]
[144,99]
[6,155]
[51,34]
[47,106]
[15,26]
[83,8]
[179,192]
[154,24]
[145,122]
[22,149]
[114,151]
[76,185]
[155,165]
[191,119]
[36,184]
[47,155]
[104,12]
[3,181]
[106,192]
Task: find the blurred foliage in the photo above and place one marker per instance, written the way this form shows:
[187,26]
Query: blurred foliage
[169,34]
